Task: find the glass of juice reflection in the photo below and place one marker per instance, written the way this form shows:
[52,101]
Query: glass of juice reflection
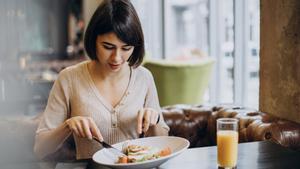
[227,142]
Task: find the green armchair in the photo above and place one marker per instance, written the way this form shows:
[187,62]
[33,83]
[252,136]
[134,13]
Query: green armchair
[181,81]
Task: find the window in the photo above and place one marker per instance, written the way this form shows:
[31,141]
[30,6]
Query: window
[252,94]
[221,34]
[150,13]
[186,26]
[227,30]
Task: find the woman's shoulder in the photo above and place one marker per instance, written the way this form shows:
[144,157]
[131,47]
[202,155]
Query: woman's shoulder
[73,70]
[143,72]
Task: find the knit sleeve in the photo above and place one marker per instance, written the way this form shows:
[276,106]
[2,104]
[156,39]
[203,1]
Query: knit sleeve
[58,106]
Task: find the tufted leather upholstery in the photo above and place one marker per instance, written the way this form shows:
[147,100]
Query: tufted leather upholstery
[198,125]
[195,123]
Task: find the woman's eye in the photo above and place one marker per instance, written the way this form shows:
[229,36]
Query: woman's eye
[127,48]
[108,47]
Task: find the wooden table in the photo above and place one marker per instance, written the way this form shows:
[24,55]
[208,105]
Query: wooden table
[254,155]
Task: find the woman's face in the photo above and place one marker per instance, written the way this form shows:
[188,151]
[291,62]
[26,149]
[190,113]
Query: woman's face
[111,52]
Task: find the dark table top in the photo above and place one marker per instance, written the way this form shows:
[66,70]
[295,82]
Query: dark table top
[254,155]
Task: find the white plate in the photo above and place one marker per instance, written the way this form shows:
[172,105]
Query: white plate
[177,145]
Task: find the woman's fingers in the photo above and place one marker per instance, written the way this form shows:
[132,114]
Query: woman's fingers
[79,129]
[146,120]
[154,117]
[95,130]
[140,120]
[146,117]
[75,130]
[72,126]
[86,128]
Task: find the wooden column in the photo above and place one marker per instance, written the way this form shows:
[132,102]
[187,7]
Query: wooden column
[280,58]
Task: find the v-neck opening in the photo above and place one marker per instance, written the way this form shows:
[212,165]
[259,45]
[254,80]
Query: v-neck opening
[101,98]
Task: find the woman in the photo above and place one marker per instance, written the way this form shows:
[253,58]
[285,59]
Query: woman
[109,97]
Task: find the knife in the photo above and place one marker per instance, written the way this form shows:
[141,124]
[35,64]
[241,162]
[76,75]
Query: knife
[110,147]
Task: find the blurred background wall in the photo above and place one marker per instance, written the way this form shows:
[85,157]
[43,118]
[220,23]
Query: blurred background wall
[41,37]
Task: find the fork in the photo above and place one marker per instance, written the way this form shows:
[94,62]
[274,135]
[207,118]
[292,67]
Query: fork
[109,147]
[142,135]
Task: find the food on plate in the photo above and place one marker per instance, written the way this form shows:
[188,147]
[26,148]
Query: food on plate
[138,153]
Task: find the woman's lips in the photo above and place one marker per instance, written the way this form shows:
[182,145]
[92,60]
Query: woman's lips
[114,66]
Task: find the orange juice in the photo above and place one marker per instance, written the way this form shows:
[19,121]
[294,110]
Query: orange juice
[227,143]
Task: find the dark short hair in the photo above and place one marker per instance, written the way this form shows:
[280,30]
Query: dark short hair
[120,17]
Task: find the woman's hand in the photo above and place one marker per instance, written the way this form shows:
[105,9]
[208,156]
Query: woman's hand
[84,127]
[147,117]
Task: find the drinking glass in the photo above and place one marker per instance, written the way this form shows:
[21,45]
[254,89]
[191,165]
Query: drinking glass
[227,142]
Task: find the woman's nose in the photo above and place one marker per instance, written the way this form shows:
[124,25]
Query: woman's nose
[116,55]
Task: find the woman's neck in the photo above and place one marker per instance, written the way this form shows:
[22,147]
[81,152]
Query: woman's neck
[99,73]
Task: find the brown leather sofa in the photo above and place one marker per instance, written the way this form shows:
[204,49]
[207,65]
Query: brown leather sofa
[195,123]
[198,125]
